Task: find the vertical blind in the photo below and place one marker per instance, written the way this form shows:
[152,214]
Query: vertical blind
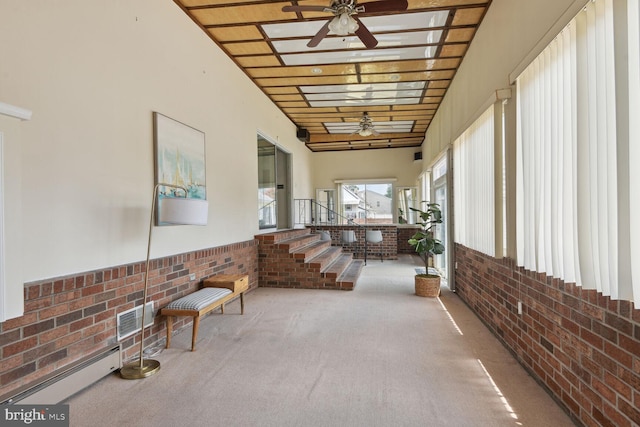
[633,22]
[473,177]
[572,188]
[546,173]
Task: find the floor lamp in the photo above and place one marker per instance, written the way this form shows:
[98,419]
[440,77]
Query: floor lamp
[175,211]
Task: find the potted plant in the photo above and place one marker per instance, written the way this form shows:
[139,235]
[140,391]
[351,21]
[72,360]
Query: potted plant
[426,246]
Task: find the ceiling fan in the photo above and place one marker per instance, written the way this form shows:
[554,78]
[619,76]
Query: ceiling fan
[345,22]
[365,127]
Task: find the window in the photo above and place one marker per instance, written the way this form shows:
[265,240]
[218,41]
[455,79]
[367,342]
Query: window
[474,176]
[573,190]
[407,198]
[439,169]
[441,197]
[367,203]
[266,184]
[425,186]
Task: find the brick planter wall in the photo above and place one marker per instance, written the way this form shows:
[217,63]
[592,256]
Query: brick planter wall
[389,247]
[405,232]
[583,347]
[67,318]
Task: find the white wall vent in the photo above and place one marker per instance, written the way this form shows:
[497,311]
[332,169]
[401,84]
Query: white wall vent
[129,321]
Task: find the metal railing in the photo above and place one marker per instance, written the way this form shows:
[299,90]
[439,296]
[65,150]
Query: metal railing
[267,215]
[310,213]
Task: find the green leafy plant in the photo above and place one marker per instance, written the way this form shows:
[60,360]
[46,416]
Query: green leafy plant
[424,242]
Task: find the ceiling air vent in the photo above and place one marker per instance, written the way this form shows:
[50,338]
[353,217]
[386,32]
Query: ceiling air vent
[129,321]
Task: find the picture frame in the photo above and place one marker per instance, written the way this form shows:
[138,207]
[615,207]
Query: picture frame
[179,158]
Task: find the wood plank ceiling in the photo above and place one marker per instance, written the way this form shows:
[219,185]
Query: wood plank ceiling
[328,89]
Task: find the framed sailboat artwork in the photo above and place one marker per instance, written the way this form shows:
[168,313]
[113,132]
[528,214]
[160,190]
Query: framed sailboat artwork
[179,152]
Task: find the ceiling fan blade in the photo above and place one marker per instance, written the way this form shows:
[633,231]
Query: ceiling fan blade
[319,35]
[365,35]
[306,9]
[384,6]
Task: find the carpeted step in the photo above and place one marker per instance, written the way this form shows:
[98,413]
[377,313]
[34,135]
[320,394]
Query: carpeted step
[349,278]
[295,243]
[279,236]
[311,250]
[338,267]
[325,258]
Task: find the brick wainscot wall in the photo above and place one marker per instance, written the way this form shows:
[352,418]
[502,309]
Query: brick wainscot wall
[582,346]
[67,318]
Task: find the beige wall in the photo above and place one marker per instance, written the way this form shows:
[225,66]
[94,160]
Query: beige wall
[93,72]
[369,164]
[511,30]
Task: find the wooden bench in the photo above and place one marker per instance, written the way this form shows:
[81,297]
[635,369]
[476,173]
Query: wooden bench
[216,291]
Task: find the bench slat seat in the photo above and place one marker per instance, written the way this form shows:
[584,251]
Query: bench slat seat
[215,293]
[199,299]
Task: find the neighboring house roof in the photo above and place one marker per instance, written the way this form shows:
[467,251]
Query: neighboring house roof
[349,197]
[376,202]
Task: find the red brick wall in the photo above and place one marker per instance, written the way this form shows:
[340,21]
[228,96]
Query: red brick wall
[584,347]
[67,318]
[389,246]
[279,267]
[405,232]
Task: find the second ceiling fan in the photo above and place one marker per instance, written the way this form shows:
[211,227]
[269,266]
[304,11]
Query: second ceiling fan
[344,21]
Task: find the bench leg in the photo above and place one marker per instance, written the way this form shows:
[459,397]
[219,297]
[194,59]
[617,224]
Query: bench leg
[222,308]
[242,303]
[196,324]
[169,330]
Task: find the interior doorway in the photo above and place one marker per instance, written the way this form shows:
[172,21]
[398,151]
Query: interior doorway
[274,186]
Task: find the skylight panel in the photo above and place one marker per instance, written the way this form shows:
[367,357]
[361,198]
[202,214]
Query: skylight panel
[399,126]
[375,24]
[363,87]
[363,96]
[352,42]
[359,56]
[354,102]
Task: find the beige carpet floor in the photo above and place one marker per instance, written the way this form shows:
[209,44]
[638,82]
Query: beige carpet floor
[376,356]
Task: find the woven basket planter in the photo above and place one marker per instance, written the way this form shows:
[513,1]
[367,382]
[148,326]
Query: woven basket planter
[427,286]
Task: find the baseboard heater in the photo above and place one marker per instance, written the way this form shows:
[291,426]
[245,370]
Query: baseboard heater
[59,385]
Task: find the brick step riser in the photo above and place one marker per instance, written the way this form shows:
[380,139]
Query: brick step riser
[297,259]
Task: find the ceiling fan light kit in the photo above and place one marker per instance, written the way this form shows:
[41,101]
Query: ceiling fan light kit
[343,25]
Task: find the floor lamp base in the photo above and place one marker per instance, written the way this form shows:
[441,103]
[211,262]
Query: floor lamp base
[133,371]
